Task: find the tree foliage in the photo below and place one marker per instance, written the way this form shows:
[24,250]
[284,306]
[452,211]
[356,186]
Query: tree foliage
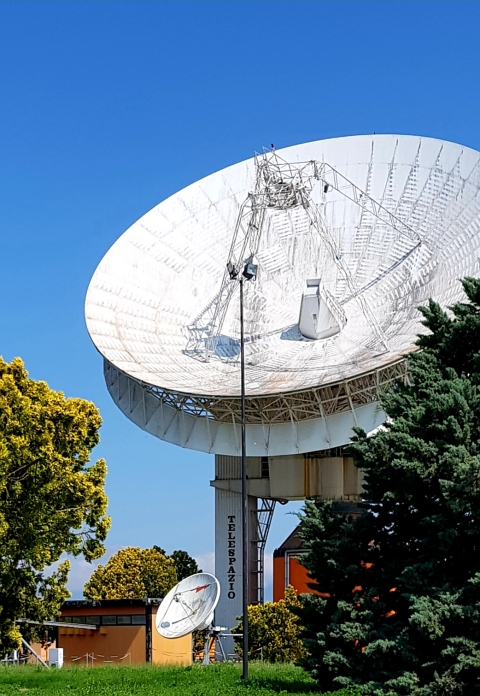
[400,605]
[185,565]
[132,573]
[273,630]
[51,501]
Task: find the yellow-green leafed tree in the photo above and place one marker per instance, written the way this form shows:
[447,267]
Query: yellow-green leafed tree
[273,630]
[132,573]
[51,501]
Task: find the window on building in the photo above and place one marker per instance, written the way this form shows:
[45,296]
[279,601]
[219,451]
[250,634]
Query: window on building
[108,620]
[265,473]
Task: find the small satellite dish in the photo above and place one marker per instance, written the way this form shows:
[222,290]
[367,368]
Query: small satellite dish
[189,606]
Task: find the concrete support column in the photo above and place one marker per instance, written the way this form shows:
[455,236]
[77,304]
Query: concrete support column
[228,548]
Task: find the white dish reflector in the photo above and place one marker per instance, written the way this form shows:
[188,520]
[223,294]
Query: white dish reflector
[189,606]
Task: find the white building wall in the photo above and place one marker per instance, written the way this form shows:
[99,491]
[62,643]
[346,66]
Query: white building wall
[228,547]
[228,560]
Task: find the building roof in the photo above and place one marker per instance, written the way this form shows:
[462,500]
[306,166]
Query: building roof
[292,543]
[109,603]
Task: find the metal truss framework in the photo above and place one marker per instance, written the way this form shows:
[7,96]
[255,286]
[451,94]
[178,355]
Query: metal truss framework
[290,407]
[281,185]
[263,520]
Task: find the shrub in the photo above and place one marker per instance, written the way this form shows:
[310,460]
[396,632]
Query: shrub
[273,630]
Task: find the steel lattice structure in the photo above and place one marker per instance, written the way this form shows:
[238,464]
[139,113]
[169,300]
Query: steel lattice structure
[197,422]
[296,406]
[264,516]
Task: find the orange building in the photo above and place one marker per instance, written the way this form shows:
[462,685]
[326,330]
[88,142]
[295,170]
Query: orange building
[287,559]
[287,567]
[117,631]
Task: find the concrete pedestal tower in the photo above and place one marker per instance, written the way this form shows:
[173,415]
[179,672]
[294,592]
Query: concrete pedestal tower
[327,475]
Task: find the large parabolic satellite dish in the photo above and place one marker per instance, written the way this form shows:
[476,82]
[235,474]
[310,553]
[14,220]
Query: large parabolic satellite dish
[351,235]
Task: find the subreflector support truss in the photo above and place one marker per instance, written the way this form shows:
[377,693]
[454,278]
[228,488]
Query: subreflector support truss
[280,185]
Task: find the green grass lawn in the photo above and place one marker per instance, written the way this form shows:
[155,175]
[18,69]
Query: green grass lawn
[216,680]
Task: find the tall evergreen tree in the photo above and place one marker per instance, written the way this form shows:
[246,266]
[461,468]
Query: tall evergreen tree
[399,604]
[185,565]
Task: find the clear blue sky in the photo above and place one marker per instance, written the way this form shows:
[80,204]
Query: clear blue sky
[109,107]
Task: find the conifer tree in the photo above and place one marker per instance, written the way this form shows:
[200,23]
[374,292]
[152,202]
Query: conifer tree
[399,604]
[185,565]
